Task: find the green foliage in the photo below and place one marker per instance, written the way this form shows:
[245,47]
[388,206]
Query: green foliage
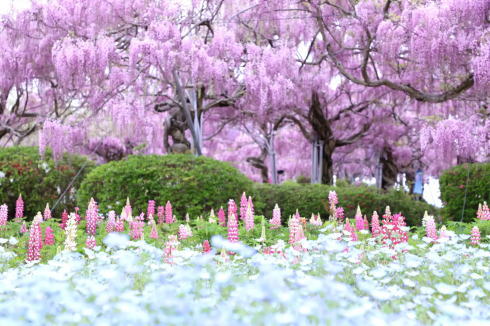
[453,188]
[39,180]
[484,227]
[313,198]
[192,184]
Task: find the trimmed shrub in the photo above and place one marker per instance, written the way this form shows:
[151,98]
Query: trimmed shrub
[192,184]
[453,187]
[40,181]
[313,198]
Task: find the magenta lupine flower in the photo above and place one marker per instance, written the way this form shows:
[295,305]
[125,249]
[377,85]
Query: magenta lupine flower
[339,214]
[484,213]
[128,211]
[375,228]
[294,226]
[169,217]
[233,228]
[232,209]
[23,228]
[249,217]
[90,242]
[136,229]
[47,213]
[332,198]
[64,219]
[161,214]
[92,216]
[366,223]
[154,232]
[49,236]
[475,236]
[150,209]
[251,203]
[77,216]
[430,228]
[4,211]
[111,222]
[353,235]
[276,217]
[184,232]
[243,206]
[392,229]
[348,226]
[221,217]
[206,247]
[359,220]
[19,208]
[34,246]
[119,227]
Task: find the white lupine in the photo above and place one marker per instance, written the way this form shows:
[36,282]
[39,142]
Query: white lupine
[71,233]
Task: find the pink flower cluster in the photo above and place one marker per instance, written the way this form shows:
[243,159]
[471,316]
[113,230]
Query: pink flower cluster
[475,236]
[233,228]
[35,242]
[276,217]
[92,217]
[19,208]
[483,212]
[3,215]
[184,232]
[393,229]
[221,217]
[169,217]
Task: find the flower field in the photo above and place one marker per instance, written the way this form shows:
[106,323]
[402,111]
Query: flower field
[237,268]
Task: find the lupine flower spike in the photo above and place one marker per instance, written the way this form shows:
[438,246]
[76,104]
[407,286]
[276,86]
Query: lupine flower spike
[71,233]
[276,217]
[206,247]
[47,213]
[19,208]
[23,228]
[430,228]
[243,206]
[154,232]
[475,236]
[169,217]
[64,219]
[111,222]
[49,236]
[34,246]
[359,219]
[221,217]
[249,217]
[212,217]
[150,209]
[233,229]
[3,215]
[90,242]
[161,214]
[375,228]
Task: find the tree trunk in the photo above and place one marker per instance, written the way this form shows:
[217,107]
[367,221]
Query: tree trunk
[390,170]
[174,129]
[258,162]
[327,163]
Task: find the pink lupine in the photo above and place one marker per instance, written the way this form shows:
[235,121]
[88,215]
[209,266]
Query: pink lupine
[170,246]
[232,209]
[430,228]
[221,217]
[77,216]
[443,233]
[150,209]
[154,232]
[184,232]
[136,229]
[91,243]
[119,227]
[64,219]
[49,236]
[161,214]
[249,217]
[316,220]
[348,227]
[359,220]
[276,217]
[47,213]
[23,228]
[251,203]
[3,215]
[92,217]
[294,226]
[111,222]
[392,231]
[169,217]
[127,211]
[366,223]
[484,213]
[243,206]
[475,236]
[206,247]
[233,229]
[375,227]
[19,208]
[339,214]
[34,246]
[333,199]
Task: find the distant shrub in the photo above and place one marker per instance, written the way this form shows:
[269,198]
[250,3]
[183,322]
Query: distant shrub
[312,198]
[192,184]
[40,181]
[454,190]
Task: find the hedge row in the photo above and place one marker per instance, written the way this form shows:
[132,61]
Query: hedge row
[312,198]
[467,182]
[192,184]
[40,181]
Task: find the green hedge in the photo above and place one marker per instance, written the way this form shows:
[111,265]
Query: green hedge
[313,198]
[40,181]
[453,187]
[192,184]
